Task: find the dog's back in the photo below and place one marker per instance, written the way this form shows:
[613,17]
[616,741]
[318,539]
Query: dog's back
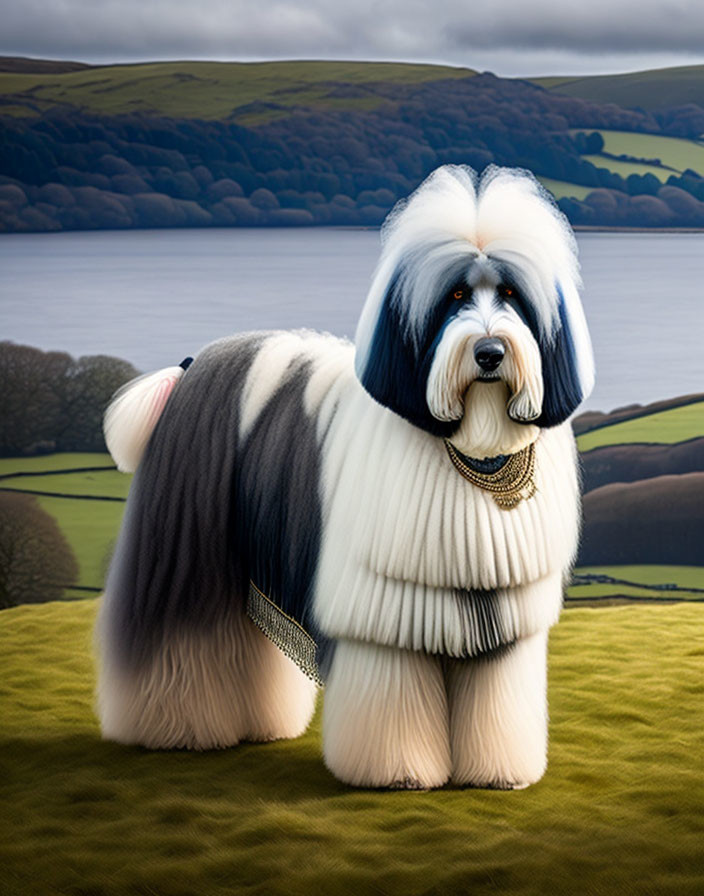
[223,497]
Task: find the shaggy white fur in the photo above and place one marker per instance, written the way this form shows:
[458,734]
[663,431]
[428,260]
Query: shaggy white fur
[204,692]
[323,468]
[385,721]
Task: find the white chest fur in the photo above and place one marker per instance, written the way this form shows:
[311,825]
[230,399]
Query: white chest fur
[406,537]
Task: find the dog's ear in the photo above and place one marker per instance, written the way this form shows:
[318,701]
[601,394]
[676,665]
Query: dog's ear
[387,359]
[567,360]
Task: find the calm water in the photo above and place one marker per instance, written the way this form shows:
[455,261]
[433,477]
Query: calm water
[153,297]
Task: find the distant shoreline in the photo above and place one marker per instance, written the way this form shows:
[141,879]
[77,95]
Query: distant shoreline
[578,228]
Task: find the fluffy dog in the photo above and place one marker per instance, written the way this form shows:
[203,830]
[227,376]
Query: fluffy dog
[396,518]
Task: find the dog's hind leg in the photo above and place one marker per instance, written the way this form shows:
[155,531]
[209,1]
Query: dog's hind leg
[202,690]
[385,718]
[498,715]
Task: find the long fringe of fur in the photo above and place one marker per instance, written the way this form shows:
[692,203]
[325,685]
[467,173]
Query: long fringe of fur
[270,462]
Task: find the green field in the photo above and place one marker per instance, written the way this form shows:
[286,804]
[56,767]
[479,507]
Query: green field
[682,576]
[212,90]
[627,168]
[673,152]
[620,810]
[90,526]
[562,188]
[665,427]
[651,89]
[59,461]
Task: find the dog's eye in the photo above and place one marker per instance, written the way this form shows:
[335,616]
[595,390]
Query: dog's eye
[506,292]
[458,294]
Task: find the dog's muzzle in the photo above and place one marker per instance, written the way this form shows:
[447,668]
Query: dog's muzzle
[489,353]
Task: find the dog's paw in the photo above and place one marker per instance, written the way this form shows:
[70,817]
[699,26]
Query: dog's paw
[493,785]
[408,783]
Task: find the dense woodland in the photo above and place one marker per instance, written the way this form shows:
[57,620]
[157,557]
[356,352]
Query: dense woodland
[66,169]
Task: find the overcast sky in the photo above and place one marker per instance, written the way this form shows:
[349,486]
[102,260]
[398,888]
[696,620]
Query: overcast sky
[508,37]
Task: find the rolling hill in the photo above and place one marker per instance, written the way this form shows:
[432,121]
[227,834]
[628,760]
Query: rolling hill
[198,144]
[213,90]
[651,89]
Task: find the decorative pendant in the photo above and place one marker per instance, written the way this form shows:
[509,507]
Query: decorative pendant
[511,483]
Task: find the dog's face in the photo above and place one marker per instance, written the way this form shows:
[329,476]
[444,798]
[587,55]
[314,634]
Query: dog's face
[478,282]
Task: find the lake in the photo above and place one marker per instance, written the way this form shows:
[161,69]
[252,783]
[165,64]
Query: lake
[155,296]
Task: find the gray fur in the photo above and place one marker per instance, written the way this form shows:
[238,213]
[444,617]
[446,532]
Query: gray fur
[206,513]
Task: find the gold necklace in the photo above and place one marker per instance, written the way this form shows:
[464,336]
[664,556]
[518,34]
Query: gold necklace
[513,482]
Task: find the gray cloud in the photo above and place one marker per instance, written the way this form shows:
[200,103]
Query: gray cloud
[506,36]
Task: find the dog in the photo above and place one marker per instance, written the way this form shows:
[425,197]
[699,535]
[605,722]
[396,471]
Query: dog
[396,518]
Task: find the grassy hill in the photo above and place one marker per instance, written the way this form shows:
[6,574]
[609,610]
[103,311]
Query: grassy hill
[620,809]
[194,144]
[651,89]
[663,427]
[213,90]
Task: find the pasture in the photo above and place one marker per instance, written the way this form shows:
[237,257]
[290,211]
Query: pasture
[651,89]
[620,810]
[664,427]
[674,153]
[211,90]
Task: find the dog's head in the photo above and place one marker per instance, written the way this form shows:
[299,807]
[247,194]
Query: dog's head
[478,282]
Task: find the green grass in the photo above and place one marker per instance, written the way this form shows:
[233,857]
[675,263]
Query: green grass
[652,89]
[212,90]
[109,483]
[91,528]
[673,152]
[683,576]
[59,461]
[627,168]
[561,188]
[620,810]
[665,427]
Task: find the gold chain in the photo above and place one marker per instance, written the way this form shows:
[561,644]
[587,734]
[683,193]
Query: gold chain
[509,485]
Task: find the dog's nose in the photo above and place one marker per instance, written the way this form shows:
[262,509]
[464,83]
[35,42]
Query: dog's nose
[489,353]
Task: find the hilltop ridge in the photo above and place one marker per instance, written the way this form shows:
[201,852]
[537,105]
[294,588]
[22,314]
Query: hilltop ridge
[191,144]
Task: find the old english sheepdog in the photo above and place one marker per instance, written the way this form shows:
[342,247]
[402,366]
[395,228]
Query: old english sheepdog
[395,518]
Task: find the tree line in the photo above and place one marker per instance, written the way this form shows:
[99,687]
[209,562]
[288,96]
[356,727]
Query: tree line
[70,170]
[51,401]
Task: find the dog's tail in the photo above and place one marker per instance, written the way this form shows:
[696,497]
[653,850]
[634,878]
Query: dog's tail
[134,412]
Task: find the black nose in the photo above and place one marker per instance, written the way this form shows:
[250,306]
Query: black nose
[489,353]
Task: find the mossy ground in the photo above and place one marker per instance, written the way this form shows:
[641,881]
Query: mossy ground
[620,810]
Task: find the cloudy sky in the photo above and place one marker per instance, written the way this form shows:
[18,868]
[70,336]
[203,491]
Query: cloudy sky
[509,37]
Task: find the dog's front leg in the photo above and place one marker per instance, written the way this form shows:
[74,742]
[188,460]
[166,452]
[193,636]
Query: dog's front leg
[498,716]
[385,721]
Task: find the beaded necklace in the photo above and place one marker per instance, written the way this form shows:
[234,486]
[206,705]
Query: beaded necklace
[510,479]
